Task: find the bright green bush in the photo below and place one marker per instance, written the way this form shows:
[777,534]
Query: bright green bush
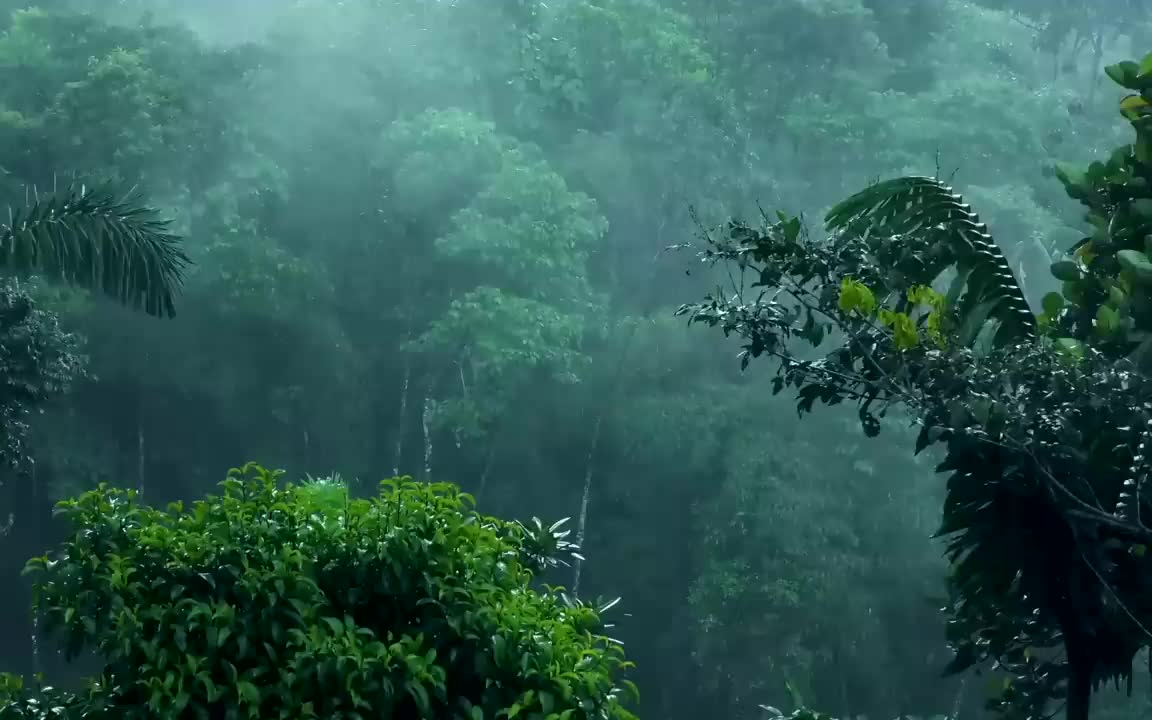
[298,602]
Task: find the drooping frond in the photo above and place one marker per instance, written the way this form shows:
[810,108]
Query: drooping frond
[924,208]
[92,239]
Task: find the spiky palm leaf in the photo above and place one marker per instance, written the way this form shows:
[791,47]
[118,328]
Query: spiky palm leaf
[92,239]
[923,207]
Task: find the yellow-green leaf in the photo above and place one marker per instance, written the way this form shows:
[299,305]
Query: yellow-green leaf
[1107,320]
[855,295]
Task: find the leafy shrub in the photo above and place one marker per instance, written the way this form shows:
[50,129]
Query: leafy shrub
[298,602]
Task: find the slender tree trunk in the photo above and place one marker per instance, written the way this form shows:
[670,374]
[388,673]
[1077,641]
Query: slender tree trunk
[402,417]
[582,518]
[497,436]
[37,664]
[1078,647]
[1097,61]
[426,427]
[593,445]
[489,462]
[958,701]
[140,451]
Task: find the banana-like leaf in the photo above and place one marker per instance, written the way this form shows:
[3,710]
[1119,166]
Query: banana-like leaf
[924,207]
[92,239]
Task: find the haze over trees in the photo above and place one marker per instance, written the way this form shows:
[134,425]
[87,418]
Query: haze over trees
[457,241]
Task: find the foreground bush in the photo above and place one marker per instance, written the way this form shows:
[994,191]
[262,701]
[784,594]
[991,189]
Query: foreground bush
[301,602]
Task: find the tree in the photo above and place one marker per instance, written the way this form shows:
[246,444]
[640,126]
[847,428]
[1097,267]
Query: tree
[494,294]
[88,239]
[301,601]
[40,361]
[1044,418]
[1076,24]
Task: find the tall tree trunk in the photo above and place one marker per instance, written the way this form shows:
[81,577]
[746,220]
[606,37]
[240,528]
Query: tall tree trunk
[958,701]
[37,663]
[1078,645]
[140,449]
[489,462]
[402,417]
[1080,667]
[426,427]
[582,518]
[594,443]
[1097,61]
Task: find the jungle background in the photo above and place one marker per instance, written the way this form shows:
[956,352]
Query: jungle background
[447,239]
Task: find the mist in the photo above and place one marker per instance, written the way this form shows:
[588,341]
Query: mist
[448,240]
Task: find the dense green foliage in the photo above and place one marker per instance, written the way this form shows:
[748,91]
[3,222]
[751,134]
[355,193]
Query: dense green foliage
[39,363]
[302,602]
[1045,432]
[88,239]
[429,237]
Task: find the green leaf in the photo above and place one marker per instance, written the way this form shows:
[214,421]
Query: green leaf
[248,692]
[1116,295]
[547,702]
[1066,270]
[1052,304]
[1107,320]
[1125,74]
[1070,347]
[1070,175]
[1133,107]
[1143,206]
[855,296]
[1136,263]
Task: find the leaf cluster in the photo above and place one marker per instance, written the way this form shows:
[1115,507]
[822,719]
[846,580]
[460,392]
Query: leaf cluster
[38,361]
[1106,297]
[1045,432]
[299,602]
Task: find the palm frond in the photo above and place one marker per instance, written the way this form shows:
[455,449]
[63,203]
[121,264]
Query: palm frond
[925,208]
[93,239]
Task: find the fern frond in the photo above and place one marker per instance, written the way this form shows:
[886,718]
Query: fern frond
[92,239]
[923,207]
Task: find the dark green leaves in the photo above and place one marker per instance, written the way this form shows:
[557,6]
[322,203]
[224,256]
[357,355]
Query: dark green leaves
[954,238]
[1132,75]
[1066,270]
[38,361]
[94,240]
[1049,576]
